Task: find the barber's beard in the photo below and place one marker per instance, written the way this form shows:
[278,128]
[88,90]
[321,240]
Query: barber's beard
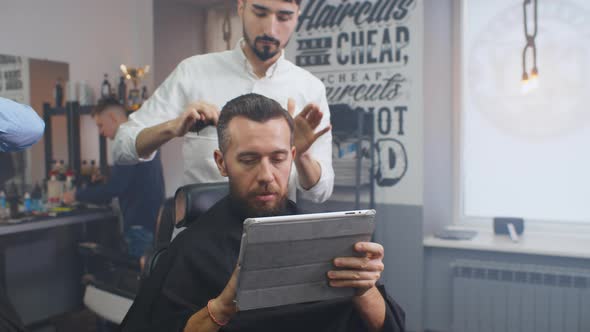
[265,53]
[247,208]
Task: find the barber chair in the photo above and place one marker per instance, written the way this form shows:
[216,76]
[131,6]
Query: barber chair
[113,282]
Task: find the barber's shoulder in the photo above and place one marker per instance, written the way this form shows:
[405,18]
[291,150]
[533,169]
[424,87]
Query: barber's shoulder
[305,77]
[206,61]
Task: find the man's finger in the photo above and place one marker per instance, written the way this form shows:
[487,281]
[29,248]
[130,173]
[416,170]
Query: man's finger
[291,106]
[352,283]
[322,132]
[374,249]
[315,118]
[307,109]
[354,275]
[359,263]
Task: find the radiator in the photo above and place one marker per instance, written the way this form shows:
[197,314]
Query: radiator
[498,297]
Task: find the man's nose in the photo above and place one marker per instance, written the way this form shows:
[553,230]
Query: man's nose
[265,172]
[271,25]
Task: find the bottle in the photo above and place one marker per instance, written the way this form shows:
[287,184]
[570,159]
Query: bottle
[69,185]
[144,94]
[61,168]
[58,93]
[12,198]
[85,174]
[27,202]
[84,94]
[37,196]
[3,212]
[122,91]
[105,89]
[54,190]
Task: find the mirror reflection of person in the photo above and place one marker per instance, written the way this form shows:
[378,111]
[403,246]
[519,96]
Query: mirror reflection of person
[20,127]
[192,95]
[139,188]
[193,286]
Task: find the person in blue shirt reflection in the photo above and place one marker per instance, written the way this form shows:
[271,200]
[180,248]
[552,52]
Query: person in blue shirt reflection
[20,126]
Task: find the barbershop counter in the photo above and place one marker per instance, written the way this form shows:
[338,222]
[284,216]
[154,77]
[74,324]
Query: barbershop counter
[41,268]
[35,223]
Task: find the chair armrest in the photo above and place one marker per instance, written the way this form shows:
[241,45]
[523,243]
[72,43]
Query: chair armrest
[150,260]
[114,256]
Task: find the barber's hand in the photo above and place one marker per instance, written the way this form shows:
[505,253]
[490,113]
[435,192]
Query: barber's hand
[69,197]
[358,272]
[205,113]
[223,307]
[306,123]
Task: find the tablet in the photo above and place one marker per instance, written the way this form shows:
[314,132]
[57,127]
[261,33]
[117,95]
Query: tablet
[284,260]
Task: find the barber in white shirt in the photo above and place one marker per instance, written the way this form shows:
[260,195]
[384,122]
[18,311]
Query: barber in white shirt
[200,85]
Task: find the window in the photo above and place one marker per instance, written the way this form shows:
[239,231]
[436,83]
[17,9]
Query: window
[524,150]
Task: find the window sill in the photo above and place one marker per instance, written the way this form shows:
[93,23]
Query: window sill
[531,243]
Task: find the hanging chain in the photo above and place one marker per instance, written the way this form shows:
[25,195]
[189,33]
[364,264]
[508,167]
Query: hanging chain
[530,38]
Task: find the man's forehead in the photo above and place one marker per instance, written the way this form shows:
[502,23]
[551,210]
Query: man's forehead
[248,134]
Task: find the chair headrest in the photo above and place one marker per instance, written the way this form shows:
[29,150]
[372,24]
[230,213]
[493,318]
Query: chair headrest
[192,200]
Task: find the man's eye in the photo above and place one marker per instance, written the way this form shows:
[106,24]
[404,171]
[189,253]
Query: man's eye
[284,18]
[248,161]
[260,14]
[278,160]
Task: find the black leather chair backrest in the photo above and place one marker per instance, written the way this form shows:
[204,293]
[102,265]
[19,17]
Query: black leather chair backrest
[191,201]
[165,224]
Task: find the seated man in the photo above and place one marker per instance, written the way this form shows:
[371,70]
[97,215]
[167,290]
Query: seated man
[193,287]
[140,187]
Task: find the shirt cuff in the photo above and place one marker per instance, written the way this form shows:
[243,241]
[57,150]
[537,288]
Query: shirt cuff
[322,190]
[124,151]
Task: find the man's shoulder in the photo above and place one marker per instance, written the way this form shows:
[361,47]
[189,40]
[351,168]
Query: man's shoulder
[303,74]
[205,61]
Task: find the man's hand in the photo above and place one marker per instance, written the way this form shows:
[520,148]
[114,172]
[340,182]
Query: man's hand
[223,307]
[359,272]
[152,138]
[306,123]
[203,112]
[69,197]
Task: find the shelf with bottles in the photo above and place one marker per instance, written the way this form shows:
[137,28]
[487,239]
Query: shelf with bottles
[72,111]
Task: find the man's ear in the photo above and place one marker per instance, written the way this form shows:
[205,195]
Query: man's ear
[112,117]
[241,8]
[293,152]
[220,162]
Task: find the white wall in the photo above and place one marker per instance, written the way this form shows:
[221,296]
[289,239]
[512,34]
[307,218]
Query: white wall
[179,32]
[93,37]
[438,114]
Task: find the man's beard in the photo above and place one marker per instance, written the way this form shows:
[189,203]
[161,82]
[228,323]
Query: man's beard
[265,53]
[245,209]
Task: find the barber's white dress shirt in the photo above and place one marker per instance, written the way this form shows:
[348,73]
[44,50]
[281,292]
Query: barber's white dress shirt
[217,78]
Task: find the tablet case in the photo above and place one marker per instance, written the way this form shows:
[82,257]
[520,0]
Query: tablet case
[285,262]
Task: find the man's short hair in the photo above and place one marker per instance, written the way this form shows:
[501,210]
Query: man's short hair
[297,2]
[253,107]
[106,103]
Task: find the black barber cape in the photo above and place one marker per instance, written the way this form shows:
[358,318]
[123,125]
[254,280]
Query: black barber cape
[196,268]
